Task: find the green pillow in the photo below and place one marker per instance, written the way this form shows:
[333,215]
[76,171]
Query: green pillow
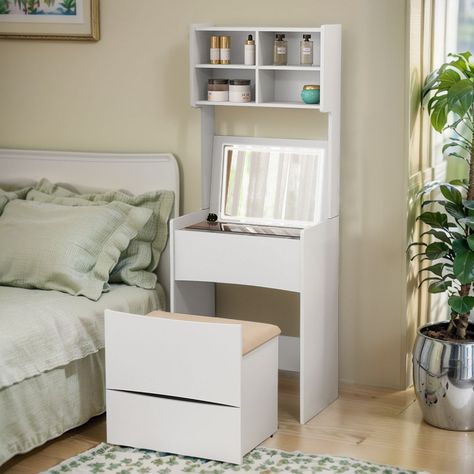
[139,261]
[7,196]
[69,249]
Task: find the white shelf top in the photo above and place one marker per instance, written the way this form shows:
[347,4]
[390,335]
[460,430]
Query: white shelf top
[269,67]
[290,105]
[282,105]
[224,66]
[232,104]
[290,68]
[278,29]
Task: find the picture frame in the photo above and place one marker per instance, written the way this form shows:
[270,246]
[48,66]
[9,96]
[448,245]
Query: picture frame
[74,20]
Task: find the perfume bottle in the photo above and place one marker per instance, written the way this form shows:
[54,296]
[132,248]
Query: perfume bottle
[214,50]
[249,51]
[306,51]
[224,49]
[280,50]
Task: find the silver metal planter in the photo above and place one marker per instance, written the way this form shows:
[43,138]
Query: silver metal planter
[443,374]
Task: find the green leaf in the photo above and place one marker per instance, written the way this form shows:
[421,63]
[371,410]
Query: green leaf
[428,187]
[428,279]
[468,221]
[461,97]
[439,286]
[437,269]
[457,155]
[439,117]
[448,78]
[460,246]
[458,236]
[470,241]
[436,250]
[459,182]
[451,193]
[439,234]
[463,267]
[468,204]
[434,219]
[457,211]
[461,304]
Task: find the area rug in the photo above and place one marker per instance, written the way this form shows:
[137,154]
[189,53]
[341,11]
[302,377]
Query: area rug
[121,460]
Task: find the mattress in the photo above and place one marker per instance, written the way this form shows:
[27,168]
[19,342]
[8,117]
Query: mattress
[62,386]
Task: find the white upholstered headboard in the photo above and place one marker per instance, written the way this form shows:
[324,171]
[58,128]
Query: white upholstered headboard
[137,173]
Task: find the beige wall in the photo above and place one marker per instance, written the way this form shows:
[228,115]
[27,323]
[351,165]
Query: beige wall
[129,92]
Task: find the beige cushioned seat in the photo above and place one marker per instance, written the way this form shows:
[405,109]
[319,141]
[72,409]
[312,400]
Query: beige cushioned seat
[253,334]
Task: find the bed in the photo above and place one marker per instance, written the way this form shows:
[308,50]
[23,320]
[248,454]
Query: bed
[52,343]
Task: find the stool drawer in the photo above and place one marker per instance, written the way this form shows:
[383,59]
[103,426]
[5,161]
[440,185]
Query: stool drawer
[178,426]
[182,359]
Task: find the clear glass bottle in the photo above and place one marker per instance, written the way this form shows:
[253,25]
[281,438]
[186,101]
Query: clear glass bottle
[306,51]
[280,50]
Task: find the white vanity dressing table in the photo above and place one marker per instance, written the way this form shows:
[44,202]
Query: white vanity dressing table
[276,202]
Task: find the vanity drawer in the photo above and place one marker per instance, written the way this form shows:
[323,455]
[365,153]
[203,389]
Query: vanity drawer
[183,427]
[271,262]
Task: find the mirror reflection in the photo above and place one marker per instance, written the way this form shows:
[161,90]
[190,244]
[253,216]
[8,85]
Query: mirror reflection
[272,185]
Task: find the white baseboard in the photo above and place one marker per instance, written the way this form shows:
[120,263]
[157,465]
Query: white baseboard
[289,353]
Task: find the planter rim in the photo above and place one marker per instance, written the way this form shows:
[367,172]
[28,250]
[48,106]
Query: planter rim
[459,343]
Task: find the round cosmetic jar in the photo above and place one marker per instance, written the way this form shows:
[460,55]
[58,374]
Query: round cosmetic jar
[311,94]
[218,90]
[239,90]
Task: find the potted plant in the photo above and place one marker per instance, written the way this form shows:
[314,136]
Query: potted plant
[443,357]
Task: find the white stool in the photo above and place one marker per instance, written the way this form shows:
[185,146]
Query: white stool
[192,385]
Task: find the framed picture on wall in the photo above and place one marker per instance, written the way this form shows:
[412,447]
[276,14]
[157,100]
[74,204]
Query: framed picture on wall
[50,19]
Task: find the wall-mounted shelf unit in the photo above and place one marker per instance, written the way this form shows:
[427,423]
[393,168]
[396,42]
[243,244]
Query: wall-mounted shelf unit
[307,265]
[272,86]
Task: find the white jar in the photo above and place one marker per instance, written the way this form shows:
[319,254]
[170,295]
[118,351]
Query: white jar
[239,90]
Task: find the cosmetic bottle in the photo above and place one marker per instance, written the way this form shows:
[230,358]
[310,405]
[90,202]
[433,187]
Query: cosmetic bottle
[280,50]
[214,50]
[249,51]
[224,49]
[306,51]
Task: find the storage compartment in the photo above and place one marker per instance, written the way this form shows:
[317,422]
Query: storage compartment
[237,41]
[266,39]
[272,262]
[204,74]
[183,427]
[142,356]
[285,85]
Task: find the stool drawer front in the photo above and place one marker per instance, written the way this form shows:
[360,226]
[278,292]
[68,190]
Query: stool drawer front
[182,359]
[175,426]
[270,262]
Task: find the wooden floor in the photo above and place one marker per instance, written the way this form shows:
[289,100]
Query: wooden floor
[379,425]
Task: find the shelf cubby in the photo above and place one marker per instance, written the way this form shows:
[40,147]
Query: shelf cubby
[284,85]
[237,40]
[272,85]
[293,38]
[204,74]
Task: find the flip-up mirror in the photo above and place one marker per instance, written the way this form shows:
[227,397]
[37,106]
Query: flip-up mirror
[268,184]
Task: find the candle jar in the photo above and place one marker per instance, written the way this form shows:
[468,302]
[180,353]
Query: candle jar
[218,90]
[239,90]
[311,94]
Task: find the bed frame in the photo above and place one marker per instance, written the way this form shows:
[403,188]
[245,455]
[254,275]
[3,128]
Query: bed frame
[134,172]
